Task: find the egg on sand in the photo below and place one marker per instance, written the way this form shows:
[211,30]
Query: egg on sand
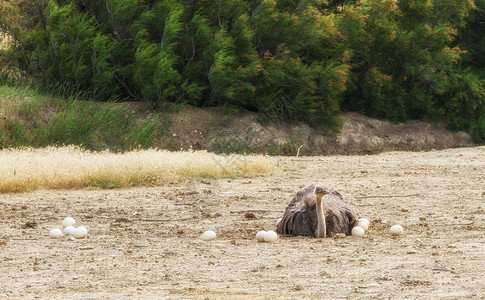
[55,233]
[260,236]
[270,236]
[396,229]
[209,235]
[80,232]
[364,225]
[358,231]
[69,221]
[69,229]
[365,220]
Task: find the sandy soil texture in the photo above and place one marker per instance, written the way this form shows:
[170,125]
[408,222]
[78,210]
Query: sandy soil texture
[144,243]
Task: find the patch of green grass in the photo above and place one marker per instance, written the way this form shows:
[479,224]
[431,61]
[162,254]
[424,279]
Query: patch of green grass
[19,134]
[104,182]
[142,135]
[8,91]
[88,124]
[33,119]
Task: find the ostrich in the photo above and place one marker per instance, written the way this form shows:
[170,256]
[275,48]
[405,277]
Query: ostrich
[310,214]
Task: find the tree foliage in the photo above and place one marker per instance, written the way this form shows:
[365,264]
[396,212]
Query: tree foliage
[305,60]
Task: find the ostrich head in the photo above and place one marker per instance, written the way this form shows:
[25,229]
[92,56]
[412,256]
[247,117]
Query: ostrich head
[320,192]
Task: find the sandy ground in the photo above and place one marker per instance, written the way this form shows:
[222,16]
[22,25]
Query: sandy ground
[438,197]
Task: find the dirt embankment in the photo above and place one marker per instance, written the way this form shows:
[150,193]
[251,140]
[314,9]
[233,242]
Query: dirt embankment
[213,130]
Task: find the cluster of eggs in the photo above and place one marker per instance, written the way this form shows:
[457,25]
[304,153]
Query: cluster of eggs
[69,229]
[266,236]
[363,226]
[262,236]
[270,236]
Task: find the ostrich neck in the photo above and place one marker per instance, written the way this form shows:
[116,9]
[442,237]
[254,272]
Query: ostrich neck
[321,226]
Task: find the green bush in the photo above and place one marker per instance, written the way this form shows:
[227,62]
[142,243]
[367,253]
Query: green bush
[461,109]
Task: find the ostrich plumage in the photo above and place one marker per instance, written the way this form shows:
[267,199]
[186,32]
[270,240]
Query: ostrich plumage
[319,212]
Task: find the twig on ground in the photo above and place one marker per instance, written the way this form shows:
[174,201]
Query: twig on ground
[164,220]
[385,196]
[118,219]
[124,219]
[298,152]
[461,224]
[255,211]
[189,203]
[144,220]
[86,248]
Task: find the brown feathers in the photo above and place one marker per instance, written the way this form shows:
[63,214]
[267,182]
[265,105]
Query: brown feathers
[300,217]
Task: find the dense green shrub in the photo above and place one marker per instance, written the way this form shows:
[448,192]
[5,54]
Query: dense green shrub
[303,60]
[471,38]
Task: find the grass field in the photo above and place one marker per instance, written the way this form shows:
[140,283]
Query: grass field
[29,169]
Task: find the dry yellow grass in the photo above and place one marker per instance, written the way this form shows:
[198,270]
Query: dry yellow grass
[30,169]
[5,41]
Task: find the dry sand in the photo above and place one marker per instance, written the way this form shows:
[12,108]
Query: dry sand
[438,197]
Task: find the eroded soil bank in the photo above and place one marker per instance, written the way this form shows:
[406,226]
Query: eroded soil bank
[242,133]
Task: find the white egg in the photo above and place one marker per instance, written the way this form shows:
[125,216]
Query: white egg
[358,231]
[364,225]
[209,235]
[55,233]
[278,221]
[68,222]
[260,235]
[270,236]
[396,230]
[69,229]
[365,221]
[80,232]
